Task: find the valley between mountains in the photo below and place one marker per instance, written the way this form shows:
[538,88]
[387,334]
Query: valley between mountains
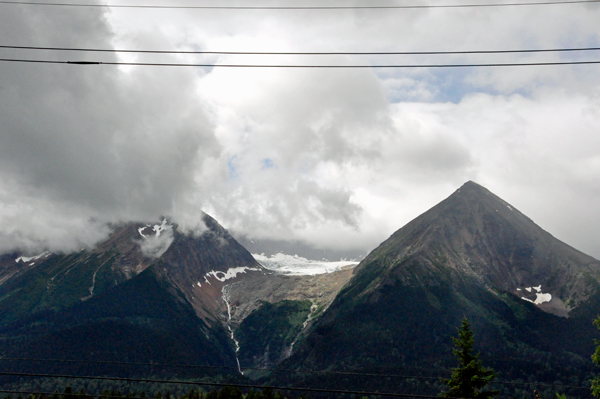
[155,295]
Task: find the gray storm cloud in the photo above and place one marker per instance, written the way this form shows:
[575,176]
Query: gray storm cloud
[108,144]
[336,158]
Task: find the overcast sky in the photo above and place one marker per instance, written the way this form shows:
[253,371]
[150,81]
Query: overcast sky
[338,158]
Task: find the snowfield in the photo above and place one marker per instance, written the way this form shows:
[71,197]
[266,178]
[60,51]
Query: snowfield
[540,296]
[298,266]
[26,259]
[222,276]
[231,273]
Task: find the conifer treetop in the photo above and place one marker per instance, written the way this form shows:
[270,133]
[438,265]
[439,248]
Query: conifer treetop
[470,377]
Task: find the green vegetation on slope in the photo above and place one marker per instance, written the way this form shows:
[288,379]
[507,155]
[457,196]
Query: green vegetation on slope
[58,282]
[266,335]
[145,319]
[407,330]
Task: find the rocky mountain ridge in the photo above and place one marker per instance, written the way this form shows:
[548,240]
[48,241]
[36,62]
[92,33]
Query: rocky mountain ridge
[163,295]
[528,295]
[207,269]
[475,233]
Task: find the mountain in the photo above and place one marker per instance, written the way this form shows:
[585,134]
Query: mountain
[152,293]
[149,293]
[531,299]
[156,294]
[475,234]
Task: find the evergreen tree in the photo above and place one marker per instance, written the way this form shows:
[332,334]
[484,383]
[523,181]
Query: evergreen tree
[470,377]
[252,394]
[268,393]
[596,359]
[229,392]
[68,394]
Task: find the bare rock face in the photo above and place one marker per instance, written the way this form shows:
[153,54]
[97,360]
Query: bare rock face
[247,294]
[197,263]
[288,306]
[205,270]
[475,233]
[472,255]
[200,264]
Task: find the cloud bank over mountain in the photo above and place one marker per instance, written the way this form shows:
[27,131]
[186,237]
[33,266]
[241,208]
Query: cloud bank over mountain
[338,158]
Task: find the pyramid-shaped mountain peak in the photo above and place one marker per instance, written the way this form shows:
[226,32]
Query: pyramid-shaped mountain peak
[475,190]
[477,198]
[475,235]
[472,255]
[471,185]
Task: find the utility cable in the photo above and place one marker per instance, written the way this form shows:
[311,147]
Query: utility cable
[320,390]
[301,371]
[552,50]
[85,395]
[338,66]
[302,7]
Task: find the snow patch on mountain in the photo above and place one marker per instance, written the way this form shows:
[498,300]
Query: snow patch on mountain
[229,274]
[27,259]
[540,297]
[298,266]
[153,246]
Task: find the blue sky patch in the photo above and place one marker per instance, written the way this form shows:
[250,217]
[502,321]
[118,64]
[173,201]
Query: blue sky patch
[267,163]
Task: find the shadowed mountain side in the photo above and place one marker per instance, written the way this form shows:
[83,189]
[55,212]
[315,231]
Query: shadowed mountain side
[407,330]
[136,296]
[58,281]
[475,233]
[146,319]
[472,255]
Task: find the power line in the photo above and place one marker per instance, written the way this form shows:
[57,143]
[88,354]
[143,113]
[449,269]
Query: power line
[20,359]
[302,53]
[85,395]
[401,395]
[302,371]
[337,66]
[302,7]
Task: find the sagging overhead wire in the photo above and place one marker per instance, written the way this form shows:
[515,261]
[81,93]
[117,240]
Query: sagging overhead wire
[296,66]
[72,394]
[217,384]
[300,371]
[396,7]
[75,49]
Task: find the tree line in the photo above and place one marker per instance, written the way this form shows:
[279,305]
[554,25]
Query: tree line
[469,380]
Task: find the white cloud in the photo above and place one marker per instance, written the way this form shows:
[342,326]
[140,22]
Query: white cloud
[335,157]
[159,239]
